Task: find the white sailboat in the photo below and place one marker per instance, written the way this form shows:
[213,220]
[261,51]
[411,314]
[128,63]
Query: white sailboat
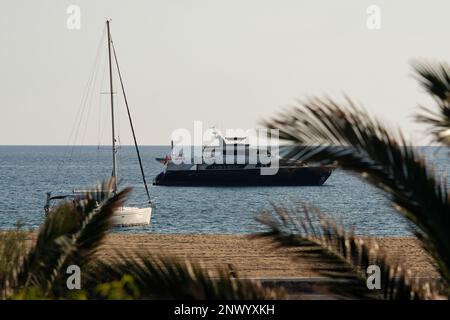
[132,216]
[124,216]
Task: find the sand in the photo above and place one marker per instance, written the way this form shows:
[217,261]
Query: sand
[253,258]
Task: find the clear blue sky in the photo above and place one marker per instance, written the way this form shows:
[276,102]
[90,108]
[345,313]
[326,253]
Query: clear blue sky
[227,63]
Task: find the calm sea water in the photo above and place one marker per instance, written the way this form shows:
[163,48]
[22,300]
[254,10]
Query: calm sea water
[28,172]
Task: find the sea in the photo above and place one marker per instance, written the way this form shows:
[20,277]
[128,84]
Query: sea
[27,173]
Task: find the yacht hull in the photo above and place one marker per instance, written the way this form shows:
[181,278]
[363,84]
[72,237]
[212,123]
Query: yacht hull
[132,216]
[286,176]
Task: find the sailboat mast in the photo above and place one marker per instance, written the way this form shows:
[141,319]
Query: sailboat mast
[112,109]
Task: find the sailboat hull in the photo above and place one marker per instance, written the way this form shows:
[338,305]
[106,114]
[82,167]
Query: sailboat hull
[132,216]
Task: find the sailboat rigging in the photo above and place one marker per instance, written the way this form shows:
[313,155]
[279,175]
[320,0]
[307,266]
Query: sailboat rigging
[131,126]
[124,216]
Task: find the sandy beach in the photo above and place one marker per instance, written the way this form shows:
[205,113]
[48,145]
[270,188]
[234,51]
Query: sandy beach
[252,258]
[256,258]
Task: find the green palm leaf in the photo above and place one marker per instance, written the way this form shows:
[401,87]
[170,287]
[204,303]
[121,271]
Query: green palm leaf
[12,252]
[341,256]
[435,79]
[346,135]
[71,234]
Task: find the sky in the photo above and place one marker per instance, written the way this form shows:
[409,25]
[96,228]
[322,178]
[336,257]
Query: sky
[228,64]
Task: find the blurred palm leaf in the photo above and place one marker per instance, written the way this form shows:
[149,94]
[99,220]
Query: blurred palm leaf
[340,255]
[71,234]
[435,79]
[159,277]
[346,135]
[12,252]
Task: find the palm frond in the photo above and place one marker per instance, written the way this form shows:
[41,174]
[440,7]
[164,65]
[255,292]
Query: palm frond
[435,79]
[346,135]
[340,255]
[160,277]
[12,252]
[97,221]
[70,234]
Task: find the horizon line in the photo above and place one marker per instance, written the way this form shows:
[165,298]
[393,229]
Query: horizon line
[155,145]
